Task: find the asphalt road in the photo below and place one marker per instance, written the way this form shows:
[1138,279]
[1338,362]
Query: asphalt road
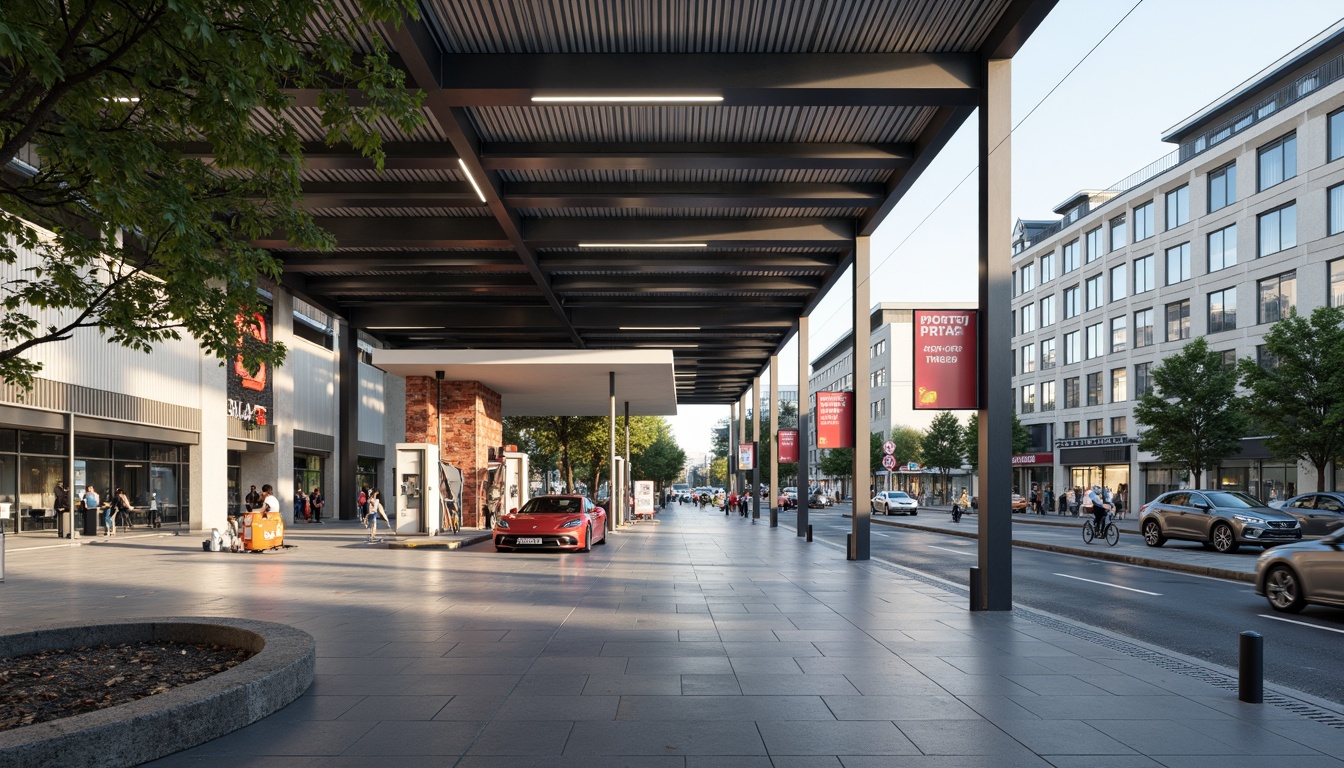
[1195,615]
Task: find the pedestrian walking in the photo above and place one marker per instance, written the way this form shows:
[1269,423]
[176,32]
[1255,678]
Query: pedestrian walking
[1049,499]
[121,508]
[93,505]
[252,500]
[362,504]
[155,519]
[374,502]
[1119,501]
[1073,501]
[315,503]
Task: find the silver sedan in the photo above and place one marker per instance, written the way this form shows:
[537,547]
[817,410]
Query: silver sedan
[1293,575]
[890,502]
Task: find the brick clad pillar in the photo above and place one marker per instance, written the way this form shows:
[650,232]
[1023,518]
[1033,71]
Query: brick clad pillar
[472,424]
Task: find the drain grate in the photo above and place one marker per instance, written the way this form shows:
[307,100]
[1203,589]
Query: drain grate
[1181,667]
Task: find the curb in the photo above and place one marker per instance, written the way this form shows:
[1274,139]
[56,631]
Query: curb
[429,543]
[155,726]
[1114,557]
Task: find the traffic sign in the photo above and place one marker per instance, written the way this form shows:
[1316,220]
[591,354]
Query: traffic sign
[889,461]
[889,448]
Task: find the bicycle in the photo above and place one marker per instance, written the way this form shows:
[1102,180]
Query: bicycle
[1109,530]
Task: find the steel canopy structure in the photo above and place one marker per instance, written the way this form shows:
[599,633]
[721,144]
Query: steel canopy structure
[691,176]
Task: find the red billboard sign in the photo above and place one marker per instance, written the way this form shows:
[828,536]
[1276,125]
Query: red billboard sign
[1031,459]
[946,359]
[835,419]
[788,446]
[746,457]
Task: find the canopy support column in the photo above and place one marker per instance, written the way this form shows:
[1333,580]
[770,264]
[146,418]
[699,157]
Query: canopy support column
[774,438]
[804,417]
[861,521]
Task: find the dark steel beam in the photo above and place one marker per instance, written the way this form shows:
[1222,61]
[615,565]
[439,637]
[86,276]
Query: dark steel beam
[413,155]
[681,283]
[837,234]
[386,194]
[686,195]
[722,155]
[635,314]
[482,282]
[931,141]
[373,261]
[689,263]
[1010,33]
[404,232]
[411,317]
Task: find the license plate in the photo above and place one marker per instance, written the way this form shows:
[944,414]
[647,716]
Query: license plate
[529,540]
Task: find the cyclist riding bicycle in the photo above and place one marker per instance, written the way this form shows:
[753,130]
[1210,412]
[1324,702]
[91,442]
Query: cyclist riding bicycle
[1099,508]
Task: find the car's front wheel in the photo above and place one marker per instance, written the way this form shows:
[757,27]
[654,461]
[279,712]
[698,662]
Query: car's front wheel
[1223,539]
[1283,591]
[587,540]
[1152,534]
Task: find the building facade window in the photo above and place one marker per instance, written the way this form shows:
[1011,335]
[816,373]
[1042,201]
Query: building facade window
[1223,310]
[1047,395]
[1223,248]
[880,408]
[1028,358]
[1178,320]
[1143,222]
[1178,264]
[1222,187]
[880,348]
[1334,206]
[1335,136]
[1096,340]
[1094,245]
[1264,359]
[1278,229]
[1028,273]
[1071,392]
[1047,267]
[1119,425]
[1072,348]
[1094,427]
[1141,380]
[1119,234]
[1094,388]
[1095,292]
[1143,328]
[878,378]
[1071,308]
[1047,354]
[1119,281]
[1047,311]
[1145,278]
[1278,297]
[1069,255]
[1119,386]
[1119,333]
[1178,206]
[1277,162]
[1028,318]
[1070,429]
[1335,293]
[1028,398]
[1229,358]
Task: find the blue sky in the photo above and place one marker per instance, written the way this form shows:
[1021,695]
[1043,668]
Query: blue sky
[1165,62]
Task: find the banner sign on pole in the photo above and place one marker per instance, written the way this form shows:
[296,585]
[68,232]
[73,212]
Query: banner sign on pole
[788,446]
[746,457]
[644,498]
[947,359]
[835,419]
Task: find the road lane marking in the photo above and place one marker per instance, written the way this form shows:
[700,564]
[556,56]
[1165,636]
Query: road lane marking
[1108,584]
[953,551]
[883,535]
[1302,623]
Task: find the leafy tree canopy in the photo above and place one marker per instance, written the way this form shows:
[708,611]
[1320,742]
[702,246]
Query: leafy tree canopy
[942,444]
[113,105]
[971,439]
[1192,414]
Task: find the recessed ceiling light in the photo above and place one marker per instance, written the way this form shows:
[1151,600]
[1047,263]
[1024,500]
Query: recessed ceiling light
[667,346]
[474,185]
[660,328]
[627,99]
[403,327]
[643,245]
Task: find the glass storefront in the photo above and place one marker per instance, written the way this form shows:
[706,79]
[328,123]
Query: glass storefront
[366,476]
[235,481]
[1113,476]
[1268,480]
[307,473]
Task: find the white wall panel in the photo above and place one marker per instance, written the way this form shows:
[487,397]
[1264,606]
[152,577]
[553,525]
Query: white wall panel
[313,370]
[372,403]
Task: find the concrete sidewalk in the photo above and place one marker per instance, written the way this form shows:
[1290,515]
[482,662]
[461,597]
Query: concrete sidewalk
[703,640]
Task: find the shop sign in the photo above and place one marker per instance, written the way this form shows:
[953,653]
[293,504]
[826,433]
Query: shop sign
[946,364]
[746,457]
[835,419]
[1033,459]
[1092,442]
[788,446]
[250,395]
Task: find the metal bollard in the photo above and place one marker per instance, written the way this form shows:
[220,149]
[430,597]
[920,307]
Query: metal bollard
[975,588]
[849,546]
[1251,668]
[2,554]
[809,533]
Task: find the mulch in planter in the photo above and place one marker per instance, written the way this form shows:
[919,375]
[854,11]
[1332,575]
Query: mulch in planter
[62,683]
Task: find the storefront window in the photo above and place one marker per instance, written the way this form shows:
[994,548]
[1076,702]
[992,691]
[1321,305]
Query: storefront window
[38,476]
[235,481]
[307,473]
[164,487]
[97,473]
[9,489]
[42,443]
[1159,479]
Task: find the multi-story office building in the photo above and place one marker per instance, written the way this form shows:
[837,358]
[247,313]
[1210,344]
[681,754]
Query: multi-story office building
[1238,226]
[891,379]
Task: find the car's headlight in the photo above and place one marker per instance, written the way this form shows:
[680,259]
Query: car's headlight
[575,523]
[501,522]
[1248,520]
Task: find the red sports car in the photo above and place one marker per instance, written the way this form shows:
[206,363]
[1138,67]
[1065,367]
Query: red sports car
[561,521]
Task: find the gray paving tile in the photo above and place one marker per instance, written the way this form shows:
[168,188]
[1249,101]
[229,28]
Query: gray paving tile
[446,738]
[1063,737]
[554,761]
[960,737]
[533,738]
[795,685]
[674,665]
[375,709]
[710,685]
[678,737]
[542,684]
[912,684]
[524,707]
[632,685]
[723,708]
[312,707]
[676,649]
[284,738]
[1016,760]
[764,665]
[835,738]
[1162,737]
[903,707]
[591,665]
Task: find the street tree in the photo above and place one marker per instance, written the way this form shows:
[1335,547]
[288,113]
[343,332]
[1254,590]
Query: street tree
[1298,396]
[138,175]
[1192,414]
[941,445]
[837,462]
[661,460]
[971,439]
[907,440]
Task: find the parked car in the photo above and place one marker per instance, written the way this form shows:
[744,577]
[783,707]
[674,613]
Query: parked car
[1293,575]
[1319,514]
[820,498]
[557,521]
[894,501]
[1224,520]
[1019,503]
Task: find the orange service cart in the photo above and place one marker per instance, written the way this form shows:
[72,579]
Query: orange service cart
[263,531]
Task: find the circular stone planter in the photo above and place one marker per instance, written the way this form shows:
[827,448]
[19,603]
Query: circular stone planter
[129,734]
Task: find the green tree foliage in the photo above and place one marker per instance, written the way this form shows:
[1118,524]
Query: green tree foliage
[1300,398]
[662,461]
[942,445]
[837,462]
[908,442]
[971,439]
[115,104]
[1193,416]
[581,445]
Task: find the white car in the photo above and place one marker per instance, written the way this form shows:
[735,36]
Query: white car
[893,502]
